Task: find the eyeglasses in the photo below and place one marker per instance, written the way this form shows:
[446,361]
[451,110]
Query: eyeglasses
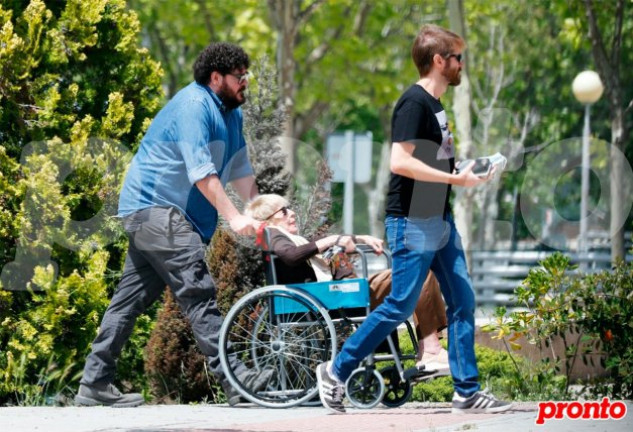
[458,57]
[284,210]
[241,79]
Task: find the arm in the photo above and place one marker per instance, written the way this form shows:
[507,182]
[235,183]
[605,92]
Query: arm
[212,189]
[294,255]
[405,164]
[291,254]
[349,242]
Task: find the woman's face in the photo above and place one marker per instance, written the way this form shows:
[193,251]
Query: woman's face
[284,218]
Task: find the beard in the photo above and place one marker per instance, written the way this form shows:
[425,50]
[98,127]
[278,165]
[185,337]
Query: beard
[231,99]
[452,75]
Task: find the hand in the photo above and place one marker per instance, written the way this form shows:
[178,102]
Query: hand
[347,243]
[375,243]
[467,178]
[244,225]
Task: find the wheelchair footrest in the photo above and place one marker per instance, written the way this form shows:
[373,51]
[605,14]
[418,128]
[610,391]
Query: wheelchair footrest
[418,374]
[414,372]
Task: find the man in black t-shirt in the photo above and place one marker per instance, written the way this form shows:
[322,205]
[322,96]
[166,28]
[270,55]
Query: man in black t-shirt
[421,231]
[419,124]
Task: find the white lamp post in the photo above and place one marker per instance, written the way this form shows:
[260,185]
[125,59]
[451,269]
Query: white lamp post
[587,88]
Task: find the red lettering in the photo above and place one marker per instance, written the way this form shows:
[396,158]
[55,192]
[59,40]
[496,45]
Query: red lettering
[561,408]
[604,408]
[546,410]
[589,407]
[621,410]
[574,410]
[586,410]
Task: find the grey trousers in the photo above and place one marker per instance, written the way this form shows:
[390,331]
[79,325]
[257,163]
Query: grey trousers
[164,250]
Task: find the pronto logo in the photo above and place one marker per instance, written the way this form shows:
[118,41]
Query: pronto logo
[605,410]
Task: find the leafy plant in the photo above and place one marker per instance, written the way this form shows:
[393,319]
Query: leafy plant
[607,305]
[76,93]
[590,314]
[176,369]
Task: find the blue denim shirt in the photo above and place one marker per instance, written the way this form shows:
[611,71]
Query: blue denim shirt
[192,137]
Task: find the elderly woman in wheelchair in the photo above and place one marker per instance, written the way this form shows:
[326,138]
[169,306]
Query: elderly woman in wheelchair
[292,324]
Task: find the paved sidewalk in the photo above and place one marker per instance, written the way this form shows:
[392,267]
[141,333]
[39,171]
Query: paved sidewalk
[411,417]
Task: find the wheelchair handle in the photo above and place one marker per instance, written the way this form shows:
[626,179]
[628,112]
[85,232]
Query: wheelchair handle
[363,250]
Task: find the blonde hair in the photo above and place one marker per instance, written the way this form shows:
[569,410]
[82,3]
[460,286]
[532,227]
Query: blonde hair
[264,206]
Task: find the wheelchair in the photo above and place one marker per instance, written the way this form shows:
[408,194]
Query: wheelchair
[293,328]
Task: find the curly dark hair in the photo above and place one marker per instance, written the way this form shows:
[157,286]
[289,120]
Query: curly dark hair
[223,57]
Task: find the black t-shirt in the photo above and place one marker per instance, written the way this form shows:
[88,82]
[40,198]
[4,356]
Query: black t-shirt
[420,119]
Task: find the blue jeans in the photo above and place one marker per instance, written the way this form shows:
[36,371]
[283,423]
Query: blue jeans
[418,245]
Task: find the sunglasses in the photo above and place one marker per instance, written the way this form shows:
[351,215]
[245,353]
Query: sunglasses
[284,210]
[458,57]
[241,79]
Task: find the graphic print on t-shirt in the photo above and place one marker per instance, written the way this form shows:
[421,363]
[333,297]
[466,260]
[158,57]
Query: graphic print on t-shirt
[447,149]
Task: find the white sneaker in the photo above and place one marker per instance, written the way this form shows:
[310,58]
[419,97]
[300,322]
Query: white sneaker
[480,402]
[331,390]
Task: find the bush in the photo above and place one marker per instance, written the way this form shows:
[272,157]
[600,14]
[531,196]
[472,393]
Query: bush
[591,314]
[175,367]
[606,303]
[72,77]
[53,333]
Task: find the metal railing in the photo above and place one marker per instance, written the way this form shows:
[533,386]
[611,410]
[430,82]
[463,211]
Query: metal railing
[496,274]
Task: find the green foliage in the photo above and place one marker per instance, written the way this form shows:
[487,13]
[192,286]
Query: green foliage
[549,314]
[496,370]
[263,122]
[175,31]
[607,315]
[349,55]
[590,314]
[11,192]
[52,334]
[76,93]
[49,387]
[437,390]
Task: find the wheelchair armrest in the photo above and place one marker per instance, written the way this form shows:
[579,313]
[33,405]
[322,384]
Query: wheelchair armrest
[363,250]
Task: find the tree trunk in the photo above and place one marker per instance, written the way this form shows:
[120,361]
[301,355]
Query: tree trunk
[284,16]
[377,195]
[608,64]
[618,218]
[463,132]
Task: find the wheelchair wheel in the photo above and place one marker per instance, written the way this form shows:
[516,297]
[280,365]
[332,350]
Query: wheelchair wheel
[283,330]
[397,392]
[365,387]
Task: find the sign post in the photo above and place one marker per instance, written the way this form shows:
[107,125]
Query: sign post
[349,158]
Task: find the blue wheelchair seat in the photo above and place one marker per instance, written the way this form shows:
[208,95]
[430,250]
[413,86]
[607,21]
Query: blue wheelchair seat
[341,294]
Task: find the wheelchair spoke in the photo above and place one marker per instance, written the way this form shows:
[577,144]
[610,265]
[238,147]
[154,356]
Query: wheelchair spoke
[280,330]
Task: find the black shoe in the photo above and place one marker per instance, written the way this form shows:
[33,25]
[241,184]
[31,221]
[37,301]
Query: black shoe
[252,380]
[480,402]
[331,391]
[232,396]
[108,395]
